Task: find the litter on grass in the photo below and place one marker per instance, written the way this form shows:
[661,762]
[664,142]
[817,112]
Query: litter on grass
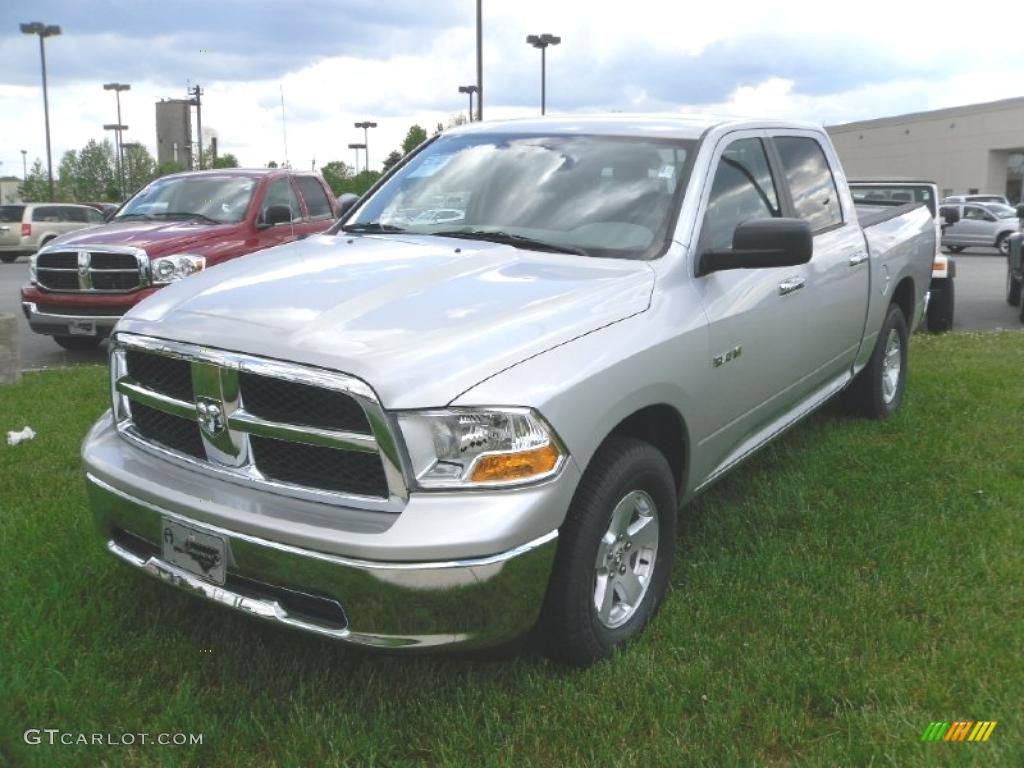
[13,438]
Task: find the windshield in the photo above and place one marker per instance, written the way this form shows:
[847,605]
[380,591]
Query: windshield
[1001,211]
[210,199]
[595,195]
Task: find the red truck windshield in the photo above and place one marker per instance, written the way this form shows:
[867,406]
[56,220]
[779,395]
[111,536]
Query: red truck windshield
[213,199]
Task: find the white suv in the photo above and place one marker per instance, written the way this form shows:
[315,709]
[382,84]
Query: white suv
[26,228]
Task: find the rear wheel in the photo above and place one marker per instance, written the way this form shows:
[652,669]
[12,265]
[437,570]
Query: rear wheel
[940,307]
[877,391]
[615,553]
[955,248]
[8,258]
[1003,244]
[78,343]
[1012,289]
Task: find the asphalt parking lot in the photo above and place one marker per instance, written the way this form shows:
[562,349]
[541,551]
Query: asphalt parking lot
[980,306]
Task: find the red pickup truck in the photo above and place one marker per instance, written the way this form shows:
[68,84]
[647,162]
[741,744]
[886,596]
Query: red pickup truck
[82,282]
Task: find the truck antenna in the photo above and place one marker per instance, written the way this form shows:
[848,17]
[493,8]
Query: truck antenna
[284,130]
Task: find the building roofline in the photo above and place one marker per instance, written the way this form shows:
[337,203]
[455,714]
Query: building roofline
[963,109]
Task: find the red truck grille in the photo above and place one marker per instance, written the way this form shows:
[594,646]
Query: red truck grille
[89,270]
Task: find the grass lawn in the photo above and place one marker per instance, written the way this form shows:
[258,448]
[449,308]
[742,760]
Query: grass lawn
[831,598]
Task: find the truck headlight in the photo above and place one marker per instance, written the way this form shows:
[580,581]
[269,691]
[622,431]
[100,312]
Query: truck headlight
[167,269]
[470,447]
[32,267]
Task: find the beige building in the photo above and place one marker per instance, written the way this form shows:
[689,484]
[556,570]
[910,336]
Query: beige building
[965,150]
[9,188]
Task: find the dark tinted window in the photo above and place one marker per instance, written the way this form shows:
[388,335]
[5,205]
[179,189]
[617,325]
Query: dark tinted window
[93,215]
[810,181]
[316,199]
[280,192]
[742,190]
[11,213]
[73,213]
[47,213]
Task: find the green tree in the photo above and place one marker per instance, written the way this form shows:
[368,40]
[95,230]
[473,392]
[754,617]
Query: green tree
[338,176]
[272,164]
[170,167]
[95,173]
[36,187]
[226,161]
[416,136]
[67,176]
[139,167]
[392,160]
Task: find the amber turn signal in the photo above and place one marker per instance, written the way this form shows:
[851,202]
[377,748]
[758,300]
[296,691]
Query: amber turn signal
[515,466]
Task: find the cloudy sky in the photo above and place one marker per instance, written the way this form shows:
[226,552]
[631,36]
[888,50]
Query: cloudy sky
[401,61]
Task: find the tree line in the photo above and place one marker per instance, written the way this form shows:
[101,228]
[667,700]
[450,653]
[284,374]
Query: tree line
[90,173]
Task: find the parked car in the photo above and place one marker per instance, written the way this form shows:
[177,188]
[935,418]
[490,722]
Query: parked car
[980,224]
[81,284]
[435,435]
[1015,266]
[889,192]
[954,199]
[25,228]
[107,209]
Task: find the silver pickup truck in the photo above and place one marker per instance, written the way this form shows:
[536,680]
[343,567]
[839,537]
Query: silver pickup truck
[420,433]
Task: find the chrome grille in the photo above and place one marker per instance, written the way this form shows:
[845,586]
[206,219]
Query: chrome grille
[110,269]
[290,429]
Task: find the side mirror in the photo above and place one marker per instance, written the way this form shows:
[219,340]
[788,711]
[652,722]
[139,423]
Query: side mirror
[345,202]
[763,243]
[276,214]
[951,216]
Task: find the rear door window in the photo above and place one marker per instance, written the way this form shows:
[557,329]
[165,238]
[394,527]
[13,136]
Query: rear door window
[73,213]
[316,199]
[811,185]
[48,213]
[280,192]
[11,214]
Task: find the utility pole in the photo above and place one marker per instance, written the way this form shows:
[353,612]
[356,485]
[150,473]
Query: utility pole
[44,31]
[24,165]
[197,98]
[479,61]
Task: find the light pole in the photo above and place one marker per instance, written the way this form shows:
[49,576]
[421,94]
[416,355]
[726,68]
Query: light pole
[479,60]
[470,89]
[24,165]
[118,129]
[542,42]
[117,88]
[366,125]
[44,31]
[357,147]
[129,165]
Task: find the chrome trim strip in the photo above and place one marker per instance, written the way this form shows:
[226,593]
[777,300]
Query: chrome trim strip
[350,562]
[350,441]
[156,400]
[34,313]
[264,609]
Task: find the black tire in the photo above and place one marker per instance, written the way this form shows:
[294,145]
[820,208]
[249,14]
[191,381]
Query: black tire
[940,306]
[1012,289]
[78,343]
[9,258]
[570,627]
[1003,244]
[866,396]
[955,248]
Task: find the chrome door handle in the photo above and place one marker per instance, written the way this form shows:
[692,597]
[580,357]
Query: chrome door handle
[791,284]
[858,258]
[5,229]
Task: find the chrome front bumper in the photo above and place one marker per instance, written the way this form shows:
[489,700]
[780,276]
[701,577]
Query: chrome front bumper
[65,325]
[475,602]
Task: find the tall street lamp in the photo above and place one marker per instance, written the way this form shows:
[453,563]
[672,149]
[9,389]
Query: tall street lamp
[357,147]
[542,42]
[366,125]
[44,31]
[117,88]
[118,129]
[479,60]
[470,89]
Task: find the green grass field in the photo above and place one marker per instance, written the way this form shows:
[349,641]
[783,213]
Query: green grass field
[833,596]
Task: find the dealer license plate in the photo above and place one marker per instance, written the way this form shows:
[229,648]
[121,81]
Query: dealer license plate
[82,328]
[203,554]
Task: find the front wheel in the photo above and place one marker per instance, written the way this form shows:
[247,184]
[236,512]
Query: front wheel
[940,308]
[877,391]
[1003,244]
[615,553]
[1012,289]
[78,343]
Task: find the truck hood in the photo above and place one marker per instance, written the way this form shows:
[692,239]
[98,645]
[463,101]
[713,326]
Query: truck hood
[420,319]
[158,238]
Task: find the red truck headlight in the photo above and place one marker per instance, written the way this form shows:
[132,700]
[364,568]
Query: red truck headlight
[168,269]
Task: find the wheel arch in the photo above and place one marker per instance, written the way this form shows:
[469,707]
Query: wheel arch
[662,426]
[903,296]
